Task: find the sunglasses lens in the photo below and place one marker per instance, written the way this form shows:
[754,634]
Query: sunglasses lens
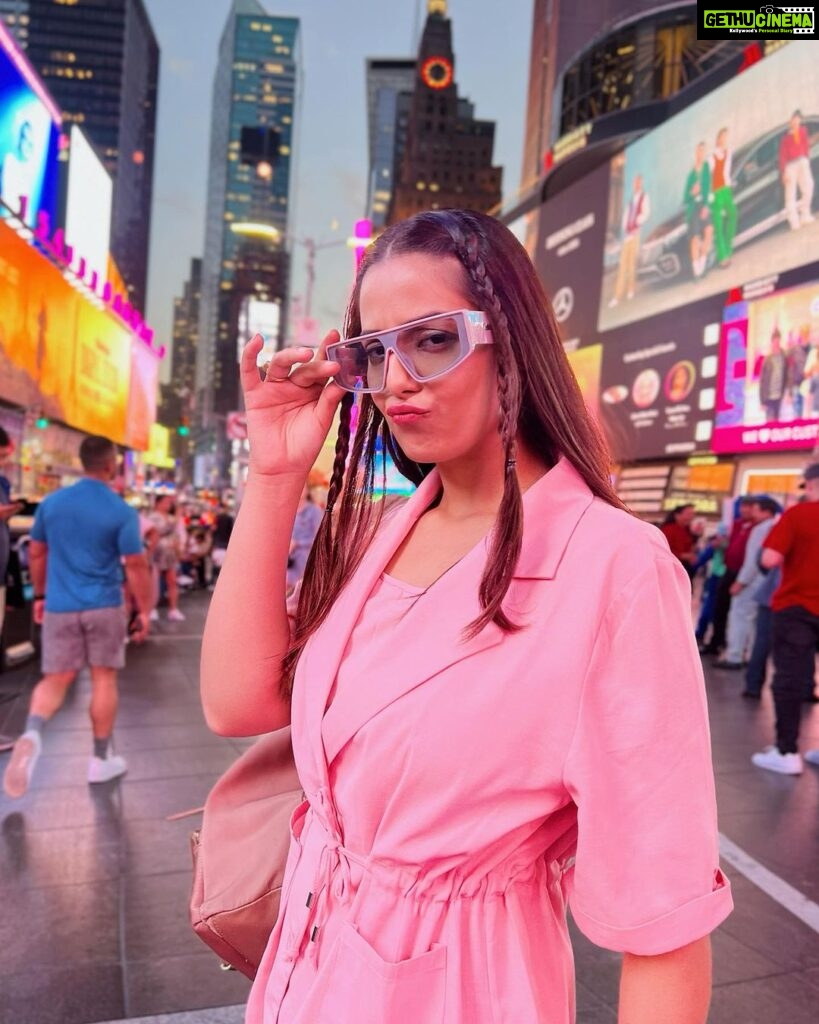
[362,364]
[432,348]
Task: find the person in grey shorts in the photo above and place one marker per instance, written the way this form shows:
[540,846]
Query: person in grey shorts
[82,536]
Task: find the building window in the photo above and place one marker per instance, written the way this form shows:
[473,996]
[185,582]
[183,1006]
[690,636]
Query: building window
[642,62]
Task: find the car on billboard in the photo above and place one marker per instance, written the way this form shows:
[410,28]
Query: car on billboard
[759,198]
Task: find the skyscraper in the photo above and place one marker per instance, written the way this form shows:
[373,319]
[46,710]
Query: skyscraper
[15,15]
[100,61]
[177,396]
[387,80]
[255,94]
[447,159]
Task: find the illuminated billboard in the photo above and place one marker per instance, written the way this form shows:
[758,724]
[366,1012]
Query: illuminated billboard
[720,194]
[142,396]
[658,383]
[29,139]
[768,387]
[571,235]
[64,356]
[259,317]
[88,207]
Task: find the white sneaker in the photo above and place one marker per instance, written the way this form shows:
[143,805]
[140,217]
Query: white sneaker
[174,615]
[24,755]
[774,761]
[154,616]
[812,756]
[613,302]
[103,769]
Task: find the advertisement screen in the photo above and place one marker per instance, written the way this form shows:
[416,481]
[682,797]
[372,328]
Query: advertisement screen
[720,194]
[587,363]
[88,207]
[768,388]
[102,371]
[59,354]
[142,395]
[571,235]
[258,317]
[29,144]
[658,383]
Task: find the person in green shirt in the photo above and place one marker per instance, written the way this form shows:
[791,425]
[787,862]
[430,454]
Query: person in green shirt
[712,555]
[698,212]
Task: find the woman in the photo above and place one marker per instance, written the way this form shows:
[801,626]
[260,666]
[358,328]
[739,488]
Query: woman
[482,685]
[305,528]
[167,552]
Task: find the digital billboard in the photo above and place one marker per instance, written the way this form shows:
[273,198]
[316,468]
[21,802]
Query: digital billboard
[88,207]
[720,194]
[658,383]
[142,395]
[768,387]
[587,364]
[59,353]
[29,139]
[259,317]
[571,235]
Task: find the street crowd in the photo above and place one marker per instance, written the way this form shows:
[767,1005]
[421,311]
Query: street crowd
[759,601]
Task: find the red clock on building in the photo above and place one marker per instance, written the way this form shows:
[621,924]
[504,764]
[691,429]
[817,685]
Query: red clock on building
[436,72]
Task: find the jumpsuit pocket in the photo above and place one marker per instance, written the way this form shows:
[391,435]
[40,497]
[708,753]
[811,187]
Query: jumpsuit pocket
[356,986]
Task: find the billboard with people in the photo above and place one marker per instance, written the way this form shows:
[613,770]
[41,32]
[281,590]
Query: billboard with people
[768,386]
[719,195]
[29,140]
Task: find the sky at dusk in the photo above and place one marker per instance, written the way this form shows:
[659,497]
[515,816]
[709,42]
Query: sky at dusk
[491,42]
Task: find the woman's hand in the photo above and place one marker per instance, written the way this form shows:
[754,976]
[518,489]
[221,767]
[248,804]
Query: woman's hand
[290,412]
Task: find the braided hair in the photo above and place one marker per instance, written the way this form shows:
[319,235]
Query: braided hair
[539,402]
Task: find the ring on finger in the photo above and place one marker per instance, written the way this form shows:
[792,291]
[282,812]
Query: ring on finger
[266,375]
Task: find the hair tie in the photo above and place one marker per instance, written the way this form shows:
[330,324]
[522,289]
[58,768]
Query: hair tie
[510,464]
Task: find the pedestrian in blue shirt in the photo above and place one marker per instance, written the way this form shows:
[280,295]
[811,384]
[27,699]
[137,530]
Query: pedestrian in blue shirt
[81,537]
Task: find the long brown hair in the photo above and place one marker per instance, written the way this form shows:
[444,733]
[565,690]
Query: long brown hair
[539,399]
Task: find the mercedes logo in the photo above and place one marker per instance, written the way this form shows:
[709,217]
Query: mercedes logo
[563,304]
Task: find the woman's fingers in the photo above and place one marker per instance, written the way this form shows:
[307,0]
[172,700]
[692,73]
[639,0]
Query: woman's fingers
[300,366]
[248,370]
[328,402]
[330,338]
[282,362]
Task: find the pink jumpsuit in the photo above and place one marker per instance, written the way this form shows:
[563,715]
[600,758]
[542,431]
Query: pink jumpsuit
[462,793]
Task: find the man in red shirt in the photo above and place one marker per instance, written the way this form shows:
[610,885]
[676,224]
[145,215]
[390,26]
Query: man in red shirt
[677,531]
[796,172]
[793,544]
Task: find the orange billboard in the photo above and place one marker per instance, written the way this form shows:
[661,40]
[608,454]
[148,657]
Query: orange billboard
[102,370]
[62,356]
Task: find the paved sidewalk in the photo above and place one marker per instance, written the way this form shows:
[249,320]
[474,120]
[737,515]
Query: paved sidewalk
[94,881]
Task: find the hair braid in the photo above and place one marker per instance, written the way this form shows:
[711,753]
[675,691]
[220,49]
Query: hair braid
[323,559]
[342,450]
[508,533]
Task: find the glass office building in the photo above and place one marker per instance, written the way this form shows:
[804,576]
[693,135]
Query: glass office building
[253,121]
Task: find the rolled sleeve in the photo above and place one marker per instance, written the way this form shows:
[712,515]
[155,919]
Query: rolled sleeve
[646,876]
